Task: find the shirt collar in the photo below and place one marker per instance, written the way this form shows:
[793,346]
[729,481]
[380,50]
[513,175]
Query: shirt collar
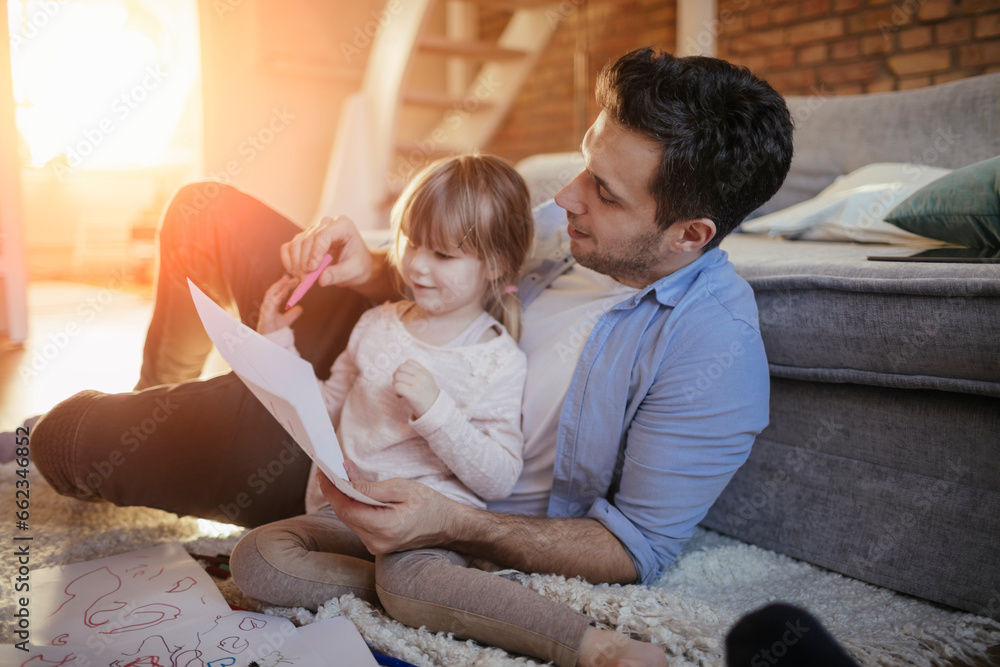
[670,289]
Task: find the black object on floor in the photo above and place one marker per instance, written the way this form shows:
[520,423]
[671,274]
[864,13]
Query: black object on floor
[783,635]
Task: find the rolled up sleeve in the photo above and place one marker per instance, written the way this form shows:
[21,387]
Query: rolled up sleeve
[690,433]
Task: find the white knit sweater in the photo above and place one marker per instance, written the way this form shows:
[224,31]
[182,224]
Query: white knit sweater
[468,445]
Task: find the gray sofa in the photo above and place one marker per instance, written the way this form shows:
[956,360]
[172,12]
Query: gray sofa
[882,457]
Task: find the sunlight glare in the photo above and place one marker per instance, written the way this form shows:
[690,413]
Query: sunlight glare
[98,88]
[210,528]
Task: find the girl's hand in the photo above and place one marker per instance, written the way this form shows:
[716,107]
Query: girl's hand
[273,315]
[416,385]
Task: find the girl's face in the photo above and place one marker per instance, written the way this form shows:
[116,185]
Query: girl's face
[444,281]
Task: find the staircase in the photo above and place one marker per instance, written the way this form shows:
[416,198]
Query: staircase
[432,87]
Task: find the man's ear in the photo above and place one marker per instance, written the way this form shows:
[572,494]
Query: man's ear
[691,235]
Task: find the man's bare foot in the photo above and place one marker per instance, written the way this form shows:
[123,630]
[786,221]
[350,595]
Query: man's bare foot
[606,648]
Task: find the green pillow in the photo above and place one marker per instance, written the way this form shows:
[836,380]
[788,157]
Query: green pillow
[962,207]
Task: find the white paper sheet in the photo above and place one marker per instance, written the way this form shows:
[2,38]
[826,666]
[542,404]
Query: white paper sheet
[339,639]
[157,606]
[284,383]
[139,592]
[234,639]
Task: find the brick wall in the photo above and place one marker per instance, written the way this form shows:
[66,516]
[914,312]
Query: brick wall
[837,46]
[544,117]
[860,46]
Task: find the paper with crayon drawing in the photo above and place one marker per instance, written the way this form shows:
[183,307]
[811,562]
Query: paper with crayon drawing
[156,606]
[284,383]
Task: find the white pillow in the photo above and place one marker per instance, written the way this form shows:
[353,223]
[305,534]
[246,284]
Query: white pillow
[853,207]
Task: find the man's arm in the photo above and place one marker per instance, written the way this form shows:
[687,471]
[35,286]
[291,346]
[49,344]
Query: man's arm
[419,517]
[366,271]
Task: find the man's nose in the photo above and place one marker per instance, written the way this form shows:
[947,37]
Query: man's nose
[568,196]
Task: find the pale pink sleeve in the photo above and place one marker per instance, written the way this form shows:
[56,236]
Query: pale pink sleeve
[485,449]
[343,373]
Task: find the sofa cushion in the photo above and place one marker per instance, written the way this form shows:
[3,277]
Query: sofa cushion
[962,207]
[948,126]
[853,207]
[828,314]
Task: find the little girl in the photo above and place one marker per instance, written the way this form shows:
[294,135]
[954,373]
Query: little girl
[429,388]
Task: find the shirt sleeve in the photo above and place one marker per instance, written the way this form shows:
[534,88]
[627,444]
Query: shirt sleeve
[483,449]
[690,433]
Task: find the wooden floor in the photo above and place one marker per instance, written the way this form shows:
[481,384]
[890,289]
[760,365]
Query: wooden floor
[89,336]
[81,336]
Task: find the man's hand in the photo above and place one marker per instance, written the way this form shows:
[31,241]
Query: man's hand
[417,516]
[353,264]
[416,385]
[273,315]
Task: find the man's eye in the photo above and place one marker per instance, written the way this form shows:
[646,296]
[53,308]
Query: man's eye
[609,202]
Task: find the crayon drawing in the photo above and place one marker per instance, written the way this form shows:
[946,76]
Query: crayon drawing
[134,592]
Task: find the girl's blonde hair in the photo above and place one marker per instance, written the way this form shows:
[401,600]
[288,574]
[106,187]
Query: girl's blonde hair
[479,204]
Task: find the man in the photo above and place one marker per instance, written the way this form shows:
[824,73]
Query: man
[647,377]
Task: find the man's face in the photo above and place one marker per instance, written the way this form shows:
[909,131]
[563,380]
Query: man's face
[612,216]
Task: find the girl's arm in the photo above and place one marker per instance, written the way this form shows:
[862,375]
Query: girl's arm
[484,449]
[275,323]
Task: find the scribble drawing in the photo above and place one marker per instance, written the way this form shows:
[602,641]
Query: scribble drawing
[104,583]
[185,584]
[234,645]
[152,615]
[42,661]
[222,662]
[273,659]
[96,582]
[154,651]
[248,624]
[60,640]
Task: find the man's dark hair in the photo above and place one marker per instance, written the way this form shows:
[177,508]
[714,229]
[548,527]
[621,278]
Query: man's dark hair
[726,135]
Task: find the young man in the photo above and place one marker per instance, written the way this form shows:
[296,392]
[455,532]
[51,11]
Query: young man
[647,377]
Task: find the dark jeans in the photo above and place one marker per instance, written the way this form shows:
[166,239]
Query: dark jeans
[206,448]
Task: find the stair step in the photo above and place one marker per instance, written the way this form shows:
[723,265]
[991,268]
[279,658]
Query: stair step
[438,100]
[514,4]
[467,49]
[428,149]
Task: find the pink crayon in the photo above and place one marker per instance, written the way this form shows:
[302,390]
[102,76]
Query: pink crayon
[308,281]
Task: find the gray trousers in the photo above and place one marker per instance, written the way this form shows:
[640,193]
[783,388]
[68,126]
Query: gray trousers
[307,560]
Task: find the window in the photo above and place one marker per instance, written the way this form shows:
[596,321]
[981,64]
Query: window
[106,84]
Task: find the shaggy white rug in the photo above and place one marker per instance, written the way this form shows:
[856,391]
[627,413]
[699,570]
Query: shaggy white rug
[687,612]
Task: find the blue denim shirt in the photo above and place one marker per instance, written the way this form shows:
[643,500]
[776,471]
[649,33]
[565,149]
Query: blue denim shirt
[670,390]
